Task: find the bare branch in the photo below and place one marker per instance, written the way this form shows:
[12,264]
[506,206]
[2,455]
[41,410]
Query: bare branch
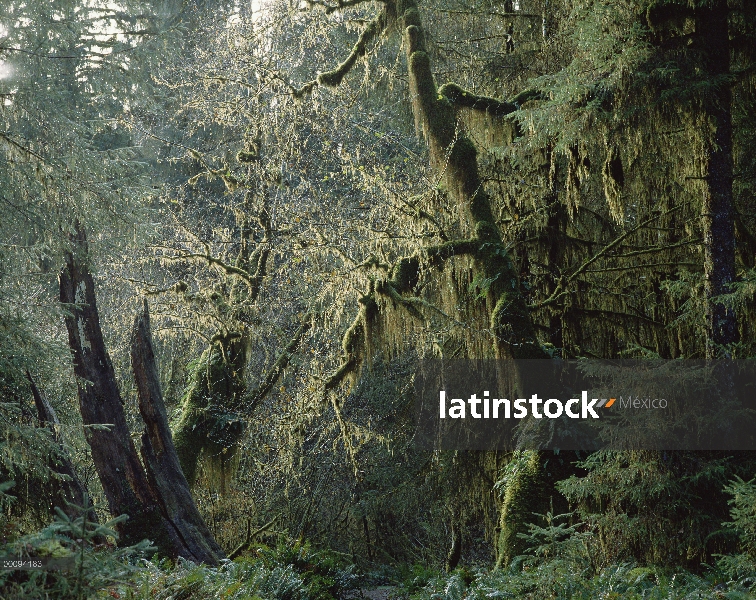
[254,398]
[560,290]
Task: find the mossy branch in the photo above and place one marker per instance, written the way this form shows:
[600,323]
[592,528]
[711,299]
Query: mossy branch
[405,276]
[412,304]
[211,260]
[526,96]
[334,77]
[251,535]
[332,8]
[442,252]
[260,259]
[460,97]
[354,342]
[409,304]
[343,371]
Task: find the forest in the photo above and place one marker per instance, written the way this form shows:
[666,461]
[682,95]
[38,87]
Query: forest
[232,232]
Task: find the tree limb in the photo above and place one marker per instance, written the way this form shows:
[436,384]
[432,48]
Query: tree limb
[334,77]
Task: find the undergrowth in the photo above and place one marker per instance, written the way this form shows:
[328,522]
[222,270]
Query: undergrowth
[558,564]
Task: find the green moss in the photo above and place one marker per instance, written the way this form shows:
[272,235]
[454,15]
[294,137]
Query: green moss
[354,338]
[333,78]
[464,156]
[510,320]
[419,65]
[369,307]
[412,18]
[461,97]
[207,425]
[486,231]
[526,96]
[523,496]
[441,252]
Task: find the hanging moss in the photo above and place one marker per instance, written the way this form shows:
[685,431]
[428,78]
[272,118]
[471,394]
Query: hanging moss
[614,179]
[454,154]
[334,77]
[464,156]
[422,85]
[412,17]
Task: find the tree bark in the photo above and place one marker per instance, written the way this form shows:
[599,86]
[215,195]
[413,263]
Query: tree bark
[124,481]
[159,454]
[718,206]
[71,490]
[113,451]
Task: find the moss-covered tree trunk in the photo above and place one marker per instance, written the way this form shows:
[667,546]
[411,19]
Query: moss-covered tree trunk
[523,496]
[217,399]
[207,425]
[454,156]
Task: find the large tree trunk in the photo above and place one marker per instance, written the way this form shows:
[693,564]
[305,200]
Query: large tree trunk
[114,455]
[126,486]
[207,425]
[718,208]
[454,155]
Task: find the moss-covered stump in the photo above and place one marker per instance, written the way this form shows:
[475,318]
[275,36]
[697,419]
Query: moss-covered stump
[208,428]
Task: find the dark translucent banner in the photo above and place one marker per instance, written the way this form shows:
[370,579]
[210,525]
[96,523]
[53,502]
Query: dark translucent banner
[586,404]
